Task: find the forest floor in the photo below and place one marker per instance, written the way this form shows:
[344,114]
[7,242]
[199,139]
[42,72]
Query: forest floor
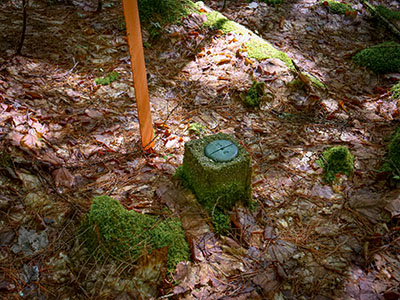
[65,139]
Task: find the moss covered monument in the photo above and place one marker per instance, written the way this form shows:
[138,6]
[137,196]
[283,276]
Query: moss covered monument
[218,181]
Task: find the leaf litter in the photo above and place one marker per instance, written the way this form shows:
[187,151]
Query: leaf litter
[68,139]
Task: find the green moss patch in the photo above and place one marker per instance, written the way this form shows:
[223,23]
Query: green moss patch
[396,91]
[387,13]
[254,94]
[336,160]
[165,11]
[392,163]
[316,82]
[106,80]
[110,229]
[382,58]
[257,48]
[221,221]
[337,7]
[260,49]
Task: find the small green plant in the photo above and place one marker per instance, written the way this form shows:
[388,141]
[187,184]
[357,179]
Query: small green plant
[396,91]
[296,84]
[155,30]
[110,229]
[392,163]
[107,79]
[387,13]
[254,94]
[196,128]
[382,58]
[336,160]
[337,7]
[221,221]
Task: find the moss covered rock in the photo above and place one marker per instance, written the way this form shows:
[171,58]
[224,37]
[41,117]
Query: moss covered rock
[257,47]
[382,58]
[336,7]
[110,229]
[388,13]
[217,184]
[392,163]
[336,160]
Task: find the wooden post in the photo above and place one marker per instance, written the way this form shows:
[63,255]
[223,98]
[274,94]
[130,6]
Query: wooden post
[135,43]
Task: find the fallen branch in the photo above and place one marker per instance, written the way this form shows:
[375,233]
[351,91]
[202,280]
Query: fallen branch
[375,13]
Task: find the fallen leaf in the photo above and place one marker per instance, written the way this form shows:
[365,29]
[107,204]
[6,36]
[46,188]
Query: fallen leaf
[51,158]
[223,61]
[33,95]
[15,138]
[62,177]
[30,140]
[393,207]
[341,104]
[94,114]
[6,237]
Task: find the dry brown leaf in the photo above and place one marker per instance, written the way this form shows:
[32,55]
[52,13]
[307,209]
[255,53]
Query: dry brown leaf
[40,129]
[19,119]
[33,95]
[30,140]
[94,114]
[223,61]
[51,158]
[15,138]
[62,177]
[393,206]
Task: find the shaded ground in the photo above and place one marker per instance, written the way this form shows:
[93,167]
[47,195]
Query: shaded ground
[65,139]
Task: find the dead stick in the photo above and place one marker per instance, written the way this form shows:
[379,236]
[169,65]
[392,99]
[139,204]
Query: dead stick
[372,9]
[21,43]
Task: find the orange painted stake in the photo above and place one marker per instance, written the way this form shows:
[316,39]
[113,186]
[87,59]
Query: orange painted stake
[135,43]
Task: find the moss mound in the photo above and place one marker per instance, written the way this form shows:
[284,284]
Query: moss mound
[337,7]
[110,229]
[336,160]
[260,49]
[387,13]
[257,48]
[392,163]
[396,91]
[165,11]
[254,94]
[382,58]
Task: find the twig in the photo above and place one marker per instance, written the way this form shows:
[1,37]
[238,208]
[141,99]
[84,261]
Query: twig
[24,5]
